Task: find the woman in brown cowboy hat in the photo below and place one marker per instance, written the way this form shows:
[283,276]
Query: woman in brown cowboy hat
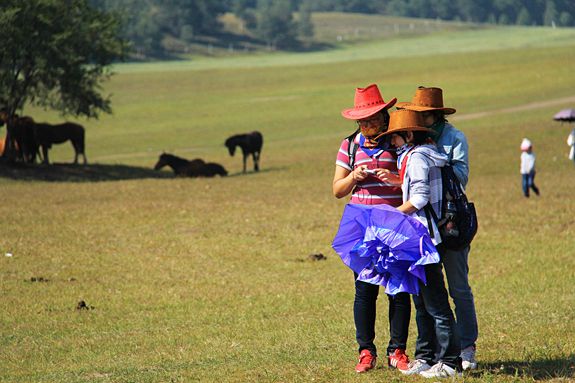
[419,163]
[360,159]
[452,142]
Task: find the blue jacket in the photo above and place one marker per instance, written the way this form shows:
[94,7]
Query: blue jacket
[453,143]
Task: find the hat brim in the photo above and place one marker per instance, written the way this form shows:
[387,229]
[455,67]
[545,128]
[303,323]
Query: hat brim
[409,128]
[358,114]
[418,108]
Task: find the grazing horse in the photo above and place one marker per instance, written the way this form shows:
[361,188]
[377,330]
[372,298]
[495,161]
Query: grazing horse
[193,168]
[251,143]
[47,134]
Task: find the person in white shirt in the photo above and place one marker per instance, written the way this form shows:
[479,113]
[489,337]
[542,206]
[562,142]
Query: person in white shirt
[571,143]
[528,167]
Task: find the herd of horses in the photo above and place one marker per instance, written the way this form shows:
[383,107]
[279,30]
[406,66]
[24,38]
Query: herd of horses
[249,143]
[26,137]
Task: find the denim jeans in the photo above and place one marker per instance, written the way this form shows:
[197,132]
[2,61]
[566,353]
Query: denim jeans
[437,338]
[364,314]
[528,182]
[456,272]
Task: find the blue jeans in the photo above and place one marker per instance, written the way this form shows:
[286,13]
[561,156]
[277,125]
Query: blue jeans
[456,271]
[364,314]
[529,183]
[437,338]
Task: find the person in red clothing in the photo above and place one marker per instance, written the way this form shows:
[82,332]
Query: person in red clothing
[361,161]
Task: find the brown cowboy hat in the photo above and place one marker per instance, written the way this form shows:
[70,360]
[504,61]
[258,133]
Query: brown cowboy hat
[426,99]
[404,120]
[367,102]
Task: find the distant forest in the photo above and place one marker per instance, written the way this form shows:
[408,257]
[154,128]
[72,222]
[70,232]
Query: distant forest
[283,24]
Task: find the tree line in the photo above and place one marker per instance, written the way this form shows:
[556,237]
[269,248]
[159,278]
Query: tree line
[283,24]
[147,23]
[507,12]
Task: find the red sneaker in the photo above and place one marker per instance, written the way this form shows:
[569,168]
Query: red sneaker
[366,361]
[398,360]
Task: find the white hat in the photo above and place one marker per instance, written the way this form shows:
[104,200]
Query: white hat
[525,144]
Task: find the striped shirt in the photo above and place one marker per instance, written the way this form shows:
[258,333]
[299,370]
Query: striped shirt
[371,191]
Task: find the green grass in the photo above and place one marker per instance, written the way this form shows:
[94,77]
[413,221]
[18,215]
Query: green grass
[335,27]
[208,279]
[404,47]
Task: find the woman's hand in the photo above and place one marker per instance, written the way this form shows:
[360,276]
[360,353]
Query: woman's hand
[359,173]
[387,176]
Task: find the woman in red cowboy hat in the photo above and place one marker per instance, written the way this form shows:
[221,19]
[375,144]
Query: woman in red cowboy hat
[361,160]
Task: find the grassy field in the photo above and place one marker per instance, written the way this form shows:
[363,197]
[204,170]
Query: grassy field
[209,279]
[331,29]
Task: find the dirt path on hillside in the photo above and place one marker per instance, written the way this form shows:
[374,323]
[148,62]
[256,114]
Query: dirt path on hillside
[456,117]
[514,109]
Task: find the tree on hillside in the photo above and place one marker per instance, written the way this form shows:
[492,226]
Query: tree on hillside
[56,54]
[550,15]
[565,19]
[523,18]
[275,23]
[305,25]
[199,16]
[472,10]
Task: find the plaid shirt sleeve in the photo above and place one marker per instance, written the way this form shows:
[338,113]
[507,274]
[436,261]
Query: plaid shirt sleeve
[419,187]
[424,183]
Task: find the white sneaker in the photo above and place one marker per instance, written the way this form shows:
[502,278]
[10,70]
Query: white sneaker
[468,361]
[415,367]
[440,370]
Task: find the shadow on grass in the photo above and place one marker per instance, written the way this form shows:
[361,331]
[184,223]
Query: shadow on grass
[78,173]
[543,369]
[252,172]
[90,173]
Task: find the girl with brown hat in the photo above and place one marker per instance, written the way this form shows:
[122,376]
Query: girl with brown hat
[419,163]
[359,162]
[453,143]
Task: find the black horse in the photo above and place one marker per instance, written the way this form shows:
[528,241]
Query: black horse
[193,168]
[180,166]
[251,143]
[45,135]
[211,169]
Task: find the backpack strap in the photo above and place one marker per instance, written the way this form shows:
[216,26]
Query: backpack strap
[352,148]
[429,213]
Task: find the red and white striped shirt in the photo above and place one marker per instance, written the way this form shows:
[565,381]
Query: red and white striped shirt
[372,190]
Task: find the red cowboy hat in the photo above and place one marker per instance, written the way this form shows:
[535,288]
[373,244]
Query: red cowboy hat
[367,102]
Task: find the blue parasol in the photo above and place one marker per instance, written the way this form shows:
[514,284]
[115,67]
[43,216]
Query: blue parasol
[385,247]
